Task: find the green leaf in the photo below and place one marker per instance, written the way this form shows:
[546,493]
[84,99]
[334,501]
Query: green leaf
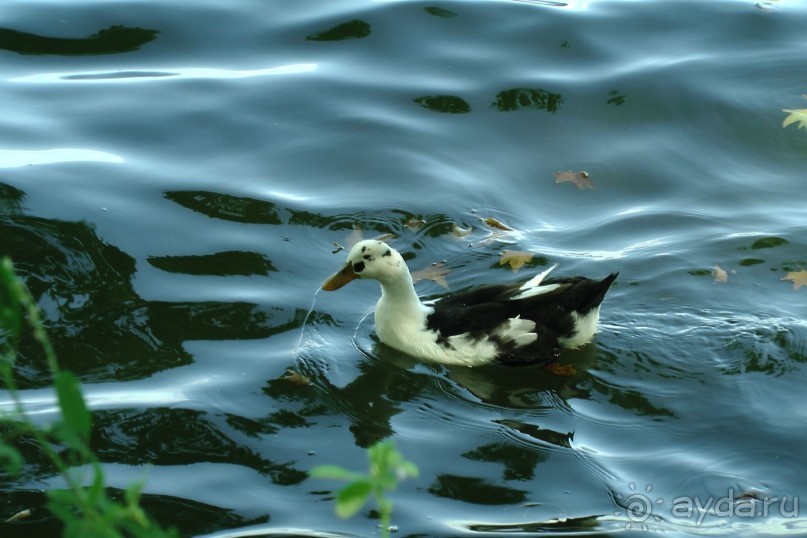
[333,472]
[351,498]
[10,317]
[12,460]
[409,469]
[133,493]
[74,411]
[96,490]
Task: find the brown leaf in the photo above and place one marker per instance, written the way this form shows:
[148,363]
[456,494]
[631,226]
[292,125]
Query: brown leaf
[720,274]
[493,223]
[566,370]
[295,378]
[436,272]
[798,278]
[20,515]
[581,179]
[354,237]
[385,237]
[414,224]
[459,231]
[516,258]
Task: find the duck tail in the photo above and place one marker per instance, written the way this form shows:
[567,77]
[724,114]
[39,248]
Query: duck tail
[597,293]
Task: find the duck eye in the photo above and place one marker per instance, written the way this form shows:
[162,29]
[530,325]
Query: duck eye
[358,267]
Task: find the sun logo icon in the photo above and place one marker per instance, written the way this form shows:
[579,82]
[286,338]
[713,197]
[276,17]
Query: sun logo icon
[638,507]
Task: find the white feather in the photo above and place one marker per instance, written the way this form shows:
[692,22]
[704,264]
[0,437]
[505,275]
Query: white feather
[536,280]
[585,327]
[533,287]
[520,331]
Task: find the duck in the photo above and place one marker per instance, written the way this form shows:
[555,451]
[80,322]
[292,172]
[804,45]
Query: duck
[513,324]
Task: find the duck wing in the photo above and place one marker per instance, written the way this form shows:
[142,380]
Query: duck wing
[509,314]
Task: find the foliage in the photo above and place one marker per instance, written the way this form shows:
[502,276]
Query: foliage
[386,468]
[436,272]
[581,179]
[798,278]
[798,116]
[86,511]
[516,258]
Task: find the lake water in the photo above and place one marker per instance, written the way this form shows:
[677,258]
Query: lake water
[173,178]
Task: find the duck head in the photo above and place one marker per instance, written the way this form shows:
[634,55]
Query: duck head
[369,259]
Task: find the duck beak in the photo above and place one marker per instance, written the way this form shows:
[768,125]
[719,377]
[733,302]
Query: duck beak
[339,279]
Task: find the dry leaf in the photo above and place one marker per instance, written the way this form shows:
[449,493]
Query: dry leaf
[295,378]
[20,515]
[493,223]
[580,179]
[798,278]
[436,272]
[720,274]
[796,116]
[354,237]
[385,237]
[566,370]
[516,258]
[414,224]
[459,231]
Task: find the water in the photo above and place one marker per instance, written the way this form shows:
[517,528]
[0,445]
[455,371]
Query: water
[171,190]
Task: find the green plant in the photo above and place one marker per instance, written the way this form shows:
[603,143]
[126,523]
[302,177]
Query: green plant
[86,511]
[386,468]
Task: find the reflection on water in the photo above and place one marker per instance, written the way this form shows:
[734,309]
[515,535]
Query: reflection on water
[450,104]
[113,40]
[347,30]
[144,76]
[527,99]
[101,328]
[16,158]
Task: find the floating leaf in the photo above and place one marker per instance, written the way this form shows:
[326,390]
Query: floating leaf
[516,258]
[459,231]
[581,179]
[493,223]
[295,378]
[566,370]
[354,237]
[436,272]
[414,224]
[796,116]
[23,514]
[720,274]
[798,278]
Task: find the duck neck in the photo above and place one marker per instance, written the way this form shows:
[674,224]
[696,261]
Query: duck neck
[398,298]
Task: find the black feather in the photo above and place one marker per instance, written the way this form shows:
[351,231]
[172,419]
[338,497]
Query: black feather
[479,311]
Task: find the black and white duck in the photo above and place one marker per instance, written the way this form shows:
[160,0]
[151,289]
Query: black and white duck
[519,323]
